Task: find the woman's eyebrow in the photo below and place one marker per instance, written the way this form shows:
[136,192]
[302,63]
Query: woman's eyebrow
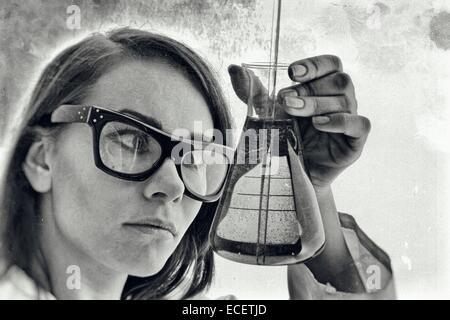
[147,119]
[157,124]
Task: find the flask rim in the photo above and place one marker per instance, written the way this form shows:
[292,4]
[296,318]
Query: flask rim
[266,65]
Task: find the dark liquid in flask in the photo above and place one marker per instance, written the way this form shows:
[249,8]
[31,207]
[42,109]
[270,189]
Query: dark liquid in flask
[268,214]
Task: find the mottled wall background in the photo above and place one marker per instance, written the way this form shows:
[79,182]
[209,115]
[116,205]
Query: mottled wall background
[398,54]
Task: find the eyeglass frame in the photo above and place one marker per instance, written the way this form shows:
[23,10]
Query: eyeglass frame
[97,117]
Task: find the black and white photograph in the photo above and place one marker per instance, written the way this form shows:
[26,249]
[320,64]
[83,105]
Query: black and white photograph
[224,150]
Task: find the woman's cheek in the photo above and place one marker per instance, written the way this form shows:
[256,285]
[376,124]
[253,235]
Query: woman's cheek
[85,204]
[190,209]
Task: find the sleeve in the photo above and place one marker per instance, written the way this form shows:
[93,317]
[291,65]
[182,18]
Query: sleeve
[371,262]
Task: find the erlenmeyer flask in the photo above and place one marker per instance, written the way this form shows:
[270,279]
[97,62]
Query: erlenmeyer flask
[268,214]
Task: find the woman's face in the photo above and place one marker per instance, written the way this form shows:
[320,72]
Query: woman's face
[95,212]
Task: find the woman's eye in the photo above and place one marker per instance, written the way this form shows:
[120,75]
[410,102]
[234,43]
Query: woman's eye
[194,162]
[131,141]
[134,142]
[194,166]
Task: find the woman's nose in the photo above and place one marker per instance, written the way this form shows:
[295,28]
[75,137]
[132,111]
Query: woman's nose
[165,184]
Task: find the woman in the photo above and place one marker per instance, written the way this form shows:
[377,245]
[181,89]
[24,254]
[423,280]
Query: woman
[98,208]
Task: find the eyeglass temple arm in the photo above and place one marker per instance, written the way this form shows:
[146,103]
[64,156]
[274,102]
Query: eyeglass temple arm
[71,113]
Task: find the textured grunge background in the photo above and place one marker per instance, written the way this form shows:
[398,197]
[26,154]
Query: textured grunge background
[398,54]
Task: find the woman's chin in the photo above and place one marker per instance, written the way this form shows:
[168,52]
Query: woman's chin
[147,266]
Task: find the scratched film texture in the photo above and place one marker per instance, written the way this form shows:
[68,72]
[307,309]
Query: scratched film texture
[398,54]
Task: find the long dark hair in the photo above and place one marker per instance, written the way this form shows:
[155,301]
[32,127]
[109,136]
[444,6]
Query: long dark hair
[66,80]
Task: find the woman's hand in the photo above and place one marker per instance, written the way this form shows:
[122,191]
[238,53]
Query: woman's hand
[324,100]
[325,105]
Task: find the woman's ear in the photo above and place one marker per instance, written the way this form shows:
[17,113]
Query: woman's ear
[36,167]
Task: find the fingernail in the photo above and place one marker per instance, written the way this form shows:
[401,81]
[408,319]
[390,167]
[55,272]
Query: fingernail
[299,70]
[321,120]
[289,92]
[294,102]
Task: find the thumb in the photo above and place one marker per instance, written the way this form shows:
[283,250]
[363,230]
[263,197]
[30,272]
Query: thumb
[249,88]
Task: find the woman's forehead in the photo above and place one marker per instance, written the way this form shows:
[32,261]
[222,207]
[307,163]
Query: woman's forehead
[156,89]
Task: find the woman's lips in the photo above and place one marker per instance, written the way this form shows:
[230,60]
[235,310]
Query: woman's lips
[150,226]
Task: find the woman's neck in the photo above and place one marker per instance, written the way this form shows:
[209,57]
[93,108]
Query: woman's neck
[69,273]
